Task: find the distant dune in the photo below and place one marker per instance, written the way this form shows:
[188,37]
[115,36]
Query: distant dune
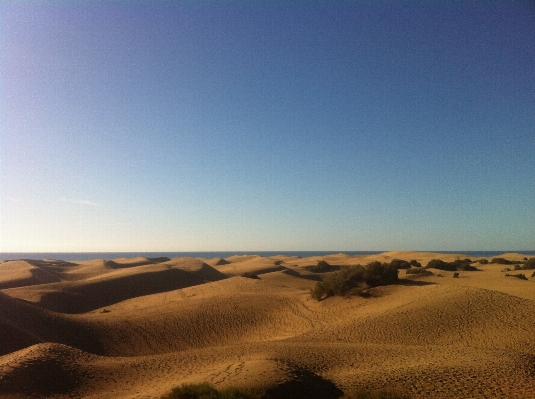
[135,328]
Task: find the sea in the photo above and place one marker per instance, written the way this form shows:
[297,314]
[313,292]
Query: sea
[72,256]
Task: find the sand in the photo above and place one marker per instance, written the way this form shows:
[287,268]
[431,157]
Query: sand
[135,328]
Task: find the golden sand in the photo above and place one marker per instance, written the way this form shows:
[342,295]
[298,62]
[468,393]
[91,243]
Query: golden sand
[135,328]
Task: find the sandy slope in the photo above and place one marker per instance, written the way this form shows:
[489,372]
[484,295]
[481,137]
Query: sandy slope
[134,328]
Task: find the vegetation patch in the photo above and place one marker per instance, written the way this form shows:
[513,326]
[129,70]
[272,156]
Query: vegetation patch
[322,267]
[458,264]
[355,280]
[207,391]
[419,271]
[503,261]
[529,264]
[400,264]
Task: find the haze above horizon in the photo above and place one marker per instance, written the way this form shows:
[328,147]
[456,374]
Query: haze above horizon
[215,126]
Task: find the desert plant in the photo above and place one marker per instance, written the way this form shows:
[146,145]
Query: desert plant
[415,263]
[483,261]
[519,275]
[533,275]
[529,264]
[467,267]
[250,275]
[501,261]
[207,391]
[441,265]
[458,264]
[420,271]
[322,267]
[400,264]
[455,275]
[377,273]
[355,280]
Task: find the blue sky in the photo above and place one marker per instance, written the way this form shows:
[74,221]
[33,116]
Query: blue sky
[191,126]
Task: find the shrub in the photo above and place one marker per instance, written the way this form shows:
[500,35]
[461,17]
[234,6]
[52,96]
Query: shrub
[458,264]
[400,264]
[501,261]
[376,394]
[455,275]
[441,265]
[467,268]
[533,275]
[419,271]
[250,275]
[377,273]
[322,267]
[483,261]
[353,280]
[519,275]
[415,263]
[529,264]
[207,391]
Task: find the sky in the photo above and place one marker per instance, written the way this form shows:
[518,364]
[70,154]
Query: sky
[267,125]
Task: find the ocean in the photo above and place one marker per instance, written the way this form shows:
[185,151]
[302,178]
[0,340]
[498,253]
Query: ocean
[72,256]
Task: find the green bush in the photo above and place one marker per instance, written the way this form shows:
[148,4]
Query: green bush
[501,261]
[441,265]
[419,271]
[529,264]
[355,280]
[207,391]
[458,264]
[400,264]
[519,275]
[322,267]
[376,394]
[467,267]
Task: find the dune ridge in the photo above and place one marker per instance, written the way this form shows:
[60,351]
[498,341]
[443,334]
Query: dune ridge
[135,328]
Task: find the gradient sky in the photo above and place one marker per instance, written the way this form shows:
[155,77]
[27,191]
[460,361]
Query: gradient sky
[204,125]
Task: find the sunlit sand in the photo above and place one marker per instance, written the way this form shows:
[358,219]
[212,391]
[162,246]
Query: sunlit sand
[136,328]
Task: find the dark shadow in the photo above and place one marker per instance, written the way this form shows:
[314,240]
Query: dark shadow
[50,263]
[305,385]
[85,297]
[161,259]
[409,282]
[24,323]
[294,273]
[42,377]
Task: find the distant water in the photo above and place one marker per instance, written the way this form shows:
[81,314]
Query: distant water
[71,256]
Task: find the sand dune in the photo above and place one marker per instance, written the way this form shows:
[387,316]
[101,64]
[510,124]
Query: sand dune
[23,273]
[237,265]
[115,285]
[135,328]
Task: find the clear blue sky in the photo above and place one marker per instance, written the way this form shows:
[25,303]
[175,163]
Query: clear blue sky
[190,126]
